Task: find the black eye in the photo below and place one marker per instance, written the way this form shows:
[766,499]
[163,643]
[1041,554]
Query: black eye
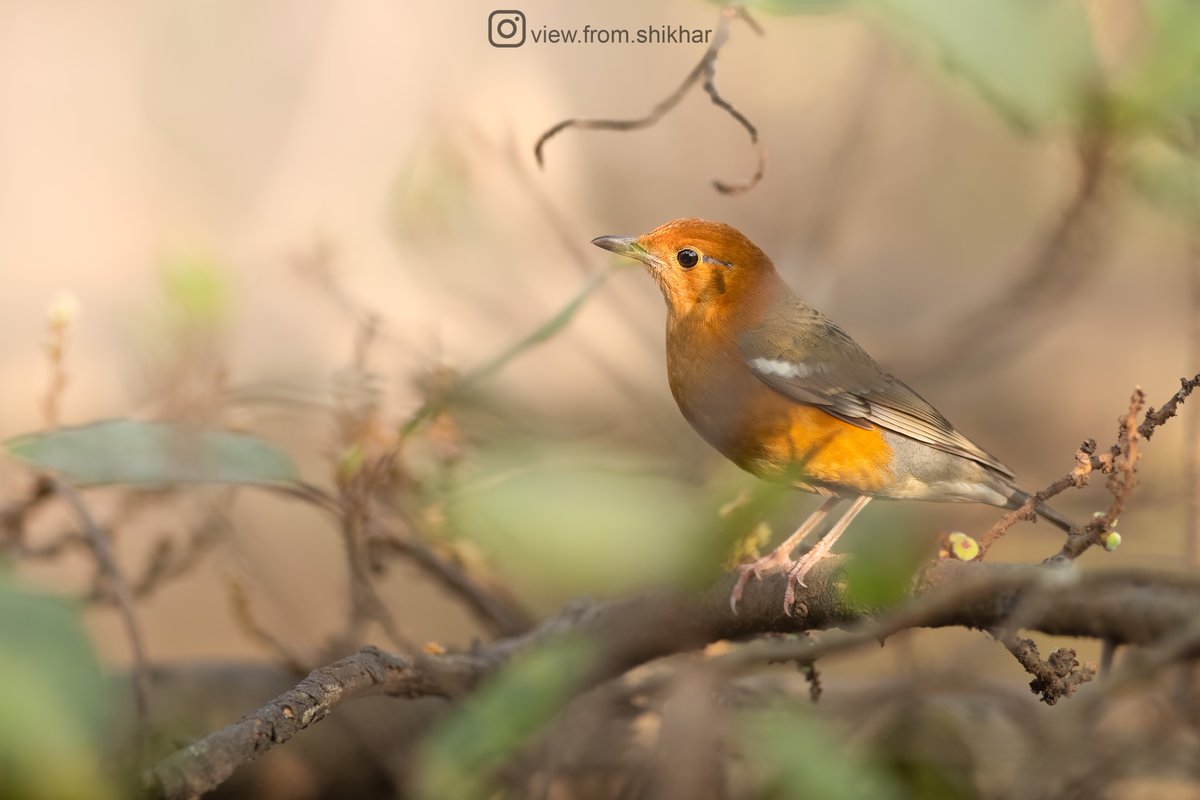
[687,258]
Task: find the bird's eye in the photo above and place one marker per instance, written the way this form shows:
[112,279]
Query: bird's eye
[687,258]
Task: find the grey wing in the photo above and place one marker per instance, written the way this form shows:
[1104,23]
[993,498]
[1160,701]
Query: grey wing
[801,354]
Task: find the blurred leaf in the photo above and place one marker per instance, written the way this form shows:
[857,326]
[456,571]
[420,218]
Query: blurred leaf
[55,701]
[153,453]
[586,520]
[196,292]
[543,333]
[460,757]
[797,6]
[883,564]
[1031,59]
[802,757]
[1165,176]
[1163,87]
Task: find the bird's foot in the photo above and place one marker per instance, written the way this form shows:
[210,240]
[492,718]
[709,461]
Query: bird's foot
[797,570]
[795,577]
[777,559]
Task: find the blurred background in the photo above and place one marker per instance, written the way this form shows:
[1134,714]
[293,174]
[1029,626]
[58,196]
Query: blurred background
[307,219]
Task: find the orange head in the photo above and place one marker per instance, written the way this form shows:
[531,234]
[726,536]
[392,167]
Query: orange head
[697,263]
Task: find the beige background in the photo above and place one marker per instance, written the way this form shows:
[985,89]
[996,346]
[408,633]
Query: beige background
[246,133]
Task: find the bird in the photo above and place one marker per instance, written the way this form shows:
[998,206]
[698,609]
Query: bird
[784,393]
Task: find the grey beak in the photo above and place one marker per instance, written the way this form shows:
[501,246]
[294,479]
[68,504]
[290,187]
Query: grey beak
[621,245]
[627,246]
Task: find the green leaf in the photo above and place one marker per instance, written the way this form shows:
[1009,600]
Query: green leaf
[153,454]
[1165,175]
[459,759]
[586,521]
[799,756]
[55,700]
[884,560]
[1031,59]
[1163,87]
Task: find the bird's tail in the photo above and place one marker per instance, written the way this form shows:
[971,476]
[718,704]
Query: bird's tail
[1019,498]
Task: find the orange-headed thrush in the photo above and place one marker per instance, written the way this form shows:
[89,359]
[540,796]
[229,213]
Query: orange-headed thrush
[787,395]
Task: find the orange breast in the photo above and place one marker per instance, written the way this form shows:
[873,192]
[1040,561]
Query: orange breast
[817,450]
[759,429]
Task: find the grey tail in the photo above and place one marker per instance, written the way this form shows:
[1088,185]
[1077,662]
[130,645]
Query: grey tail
[1019,498]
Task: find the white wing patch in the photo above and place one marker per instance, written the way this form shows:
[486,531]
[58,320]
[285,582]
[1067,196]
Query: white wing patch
[786,369]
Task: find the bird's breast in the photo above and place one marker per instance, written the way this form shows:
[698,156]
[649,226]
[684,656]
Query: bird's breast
[768,434]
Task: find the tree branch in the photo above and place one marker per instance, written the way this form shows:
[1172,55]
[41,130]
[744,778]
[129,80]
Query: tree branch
[1127,606]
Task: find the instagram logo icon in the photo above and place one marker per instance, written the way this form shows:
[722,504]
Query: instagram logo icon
[506,28]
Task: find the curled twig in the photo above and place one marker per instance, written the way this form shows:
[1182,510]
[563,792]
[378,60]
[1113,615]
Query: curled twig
[705,73]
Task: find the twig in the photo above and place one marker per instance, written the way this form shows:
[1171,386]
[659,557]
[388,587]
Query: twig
[1054,678]
[14,515]
[1156,418]
[471,380]
[501,615]
[1077,477]
[704,73]
[1120,464]
[107,562]
[239,600]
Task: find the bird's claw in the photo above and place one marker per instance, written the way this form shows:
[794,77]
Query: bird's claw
[745,572]
[796,572]
[756,570]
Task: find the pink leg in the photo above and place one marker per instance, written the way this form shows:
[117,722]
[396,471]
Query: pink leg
[806,562]
[781,556]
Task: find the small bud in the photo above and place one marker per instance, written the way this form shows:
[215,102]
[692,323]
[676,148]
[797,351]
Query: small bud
[62,310]
[1112,541]
[963,547]
[1097,515]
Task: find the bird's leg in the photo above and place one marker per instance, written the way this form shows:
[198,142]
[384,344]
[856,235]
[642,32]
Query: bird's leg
[781,556]
[801,566]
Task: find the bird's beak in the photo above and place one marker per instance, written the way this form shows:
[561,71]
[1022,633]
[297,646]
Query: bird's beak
[626,246]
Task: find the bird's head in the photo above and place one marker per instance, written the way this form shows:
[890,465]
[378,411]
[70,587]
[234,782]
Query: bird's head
[696,262]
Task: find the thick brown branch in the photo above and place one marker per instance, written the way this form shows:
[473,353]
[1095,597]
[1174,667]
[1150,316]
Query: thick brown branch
[1138,607]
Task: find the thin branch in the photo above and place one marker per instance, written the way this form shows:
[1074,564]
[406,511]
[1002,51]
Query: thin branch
[1077,477]
[243,615]
[500,614]
[14,515]
[107,562]
[704,73]
[1120,464]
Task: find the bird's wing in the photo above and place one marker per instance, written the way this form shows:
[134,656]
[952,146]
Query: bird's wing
[798,352]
